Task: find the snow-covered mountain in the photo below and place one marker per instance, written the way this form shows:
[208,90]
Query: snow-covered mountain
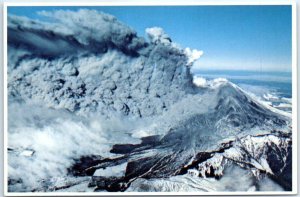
[94,107]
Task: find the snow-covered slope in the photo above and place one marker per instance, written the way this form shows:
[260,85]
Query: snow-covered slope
[201,144]
[87,80]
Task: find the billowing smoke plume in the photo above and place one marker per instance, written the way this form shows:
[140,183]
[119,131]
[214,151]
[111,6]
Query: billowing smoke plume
[73,31]
[87,80]
[157,35]
[192,55]
[89,61]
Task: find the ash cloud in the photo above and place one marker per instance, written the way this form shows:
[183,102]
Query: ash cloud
[99,84]
[88,61]
[82,31]
[90,64]
[158,35]
[90,25]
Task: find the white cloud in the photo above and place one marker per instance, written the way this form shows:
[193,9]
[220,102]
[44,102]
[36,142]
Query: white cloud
[192,55]
[44,142]
[158,35]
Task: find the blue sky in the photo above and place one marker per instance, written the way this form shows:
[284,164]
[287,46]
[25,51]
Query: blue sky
[232,37]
